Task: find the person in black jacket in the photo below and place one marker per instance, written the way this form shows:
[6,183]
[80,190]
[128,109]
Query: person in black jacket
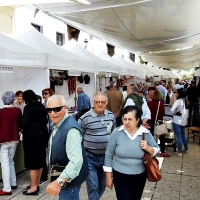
[193,97]
[35,139]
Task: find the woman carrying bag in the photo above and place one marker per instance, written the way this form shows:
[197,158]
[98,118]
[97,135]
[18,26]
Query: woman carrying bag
[126,145]
[157,109]
[180,121]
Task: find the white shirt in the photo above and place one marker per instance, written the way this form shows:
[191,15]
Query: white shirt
[178,86]
[146,113]
[180,106]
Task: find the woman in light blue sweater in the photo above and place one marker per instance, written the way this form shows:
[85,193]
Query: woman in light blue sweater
[126,146]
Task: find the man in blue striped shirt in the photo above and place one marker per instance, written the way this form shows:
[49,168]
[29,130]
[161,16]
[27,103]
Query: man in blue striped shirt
[97,125]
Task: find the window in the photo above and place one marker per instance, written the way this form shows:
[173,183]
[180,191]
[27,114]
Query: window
[38,27]
[60,39]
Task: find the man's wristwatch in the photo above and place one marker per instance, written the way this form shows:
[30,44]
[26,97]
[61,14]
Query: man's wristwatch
[60,182]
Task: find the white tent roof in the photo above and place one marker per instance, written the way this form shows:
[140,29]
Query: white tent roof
[105,56]
[131,69]
[58,58]
[100,65]
[15,53]
[148,72]
[138,26]
[139,72]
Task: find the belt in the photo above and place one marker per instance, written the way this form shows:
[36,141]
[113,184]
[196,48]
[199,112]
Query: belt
[95,154]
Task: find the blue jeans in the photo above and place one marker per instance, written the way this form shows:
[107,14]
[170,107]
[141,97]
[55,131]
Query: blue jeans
[180,137]
[70,193]
[96,180]
[195,106]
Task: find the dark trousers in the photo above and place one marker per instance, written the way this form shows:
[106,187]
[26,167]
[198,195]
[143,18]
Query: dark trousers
[129,187]
[193,106]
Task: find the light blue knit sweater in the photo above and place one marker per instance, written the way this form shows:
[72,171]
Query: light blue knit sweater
[127,153]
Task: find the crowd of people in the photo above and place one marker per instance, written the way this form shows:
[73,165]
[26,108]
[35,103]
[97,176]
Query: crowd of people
[101,145]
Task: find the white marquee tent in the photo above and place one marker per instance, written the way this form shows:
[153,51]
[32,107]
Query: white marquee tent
[58,58]
[133,71]
[28,66]
[100,65]
[105,56]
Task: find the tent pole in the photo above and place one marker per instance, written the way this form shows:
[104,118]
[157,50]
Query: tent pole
[47,73]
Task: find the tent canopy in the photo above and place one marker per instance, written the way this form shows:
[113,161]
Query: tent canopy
[130,67]
[100,65]
[105,56]
[57,57]
[138,26]
[15,53]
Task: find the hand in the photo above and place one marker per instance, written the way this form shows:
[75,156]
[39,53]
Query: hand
[143,144]
[109,183]
[146,125]
[53,188]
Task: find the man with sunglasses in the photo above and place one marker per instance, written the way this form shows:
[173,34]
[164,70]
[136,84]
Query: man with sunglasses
[97,125]
[66,149]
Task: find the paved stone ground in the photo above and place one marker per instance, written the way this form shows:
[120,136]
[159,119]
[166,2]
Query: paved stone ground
[180,181]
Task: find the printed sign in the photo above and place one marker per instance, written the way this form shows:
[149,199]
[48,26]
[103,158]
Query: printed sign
[74,73]
[6,69]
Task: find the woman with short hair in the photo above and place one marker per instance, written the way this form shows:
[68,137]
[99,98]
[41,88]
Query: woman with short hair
[10,117]
[19,103]
[46,93]
[125,144]
[35,139]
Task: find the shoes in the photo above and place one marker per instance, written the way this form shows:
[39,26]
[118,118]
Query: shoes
[28,187]
[178,154]
[164,155]
[14,187]
[30,193]
[5,193]
[186,152]
[43,182]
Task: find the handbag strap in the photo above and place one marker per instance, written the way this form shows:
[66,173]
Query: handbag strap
[157,112]
[143,136]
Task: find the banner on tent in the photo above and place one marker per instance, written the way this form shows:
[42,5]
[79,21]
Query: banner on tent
[74,73]
[6,69]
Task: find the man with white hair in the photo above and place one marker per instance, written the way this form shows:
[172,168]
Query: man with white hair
[115,99]
[97,125]
[66,149]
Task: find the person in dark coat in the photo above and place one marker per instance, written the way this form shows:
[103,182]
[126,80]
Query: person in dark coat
[35,139]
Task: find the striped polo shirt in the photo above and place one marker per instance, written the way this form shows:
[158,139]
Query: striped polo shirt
[96,130]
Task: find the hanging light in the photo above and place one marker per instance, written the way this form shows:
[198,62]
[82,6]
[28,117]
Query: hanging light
[85,43]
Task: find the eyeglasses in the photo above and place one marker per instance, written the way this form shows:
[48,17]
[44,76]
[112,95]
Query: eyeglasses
[100,102]
[55,109]
[45,93]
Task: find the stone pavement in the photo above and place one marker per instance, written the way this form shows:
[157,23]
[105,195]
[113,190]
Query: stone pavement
[180,181]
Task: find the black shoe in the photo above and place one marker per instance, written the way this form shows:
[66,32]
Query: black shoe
[43,182]
[28,187]
[30,193]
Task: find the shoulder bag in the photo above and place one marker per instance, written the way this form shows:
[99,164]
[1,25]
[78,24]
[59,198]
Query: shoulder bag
[160,128]
[151,166]
[55,172]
